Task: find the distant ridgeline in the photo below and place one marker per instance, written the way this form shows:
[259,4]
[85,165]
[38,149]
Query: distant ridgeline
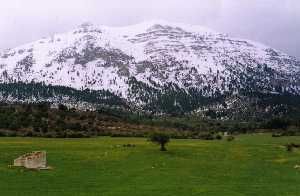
[166,100]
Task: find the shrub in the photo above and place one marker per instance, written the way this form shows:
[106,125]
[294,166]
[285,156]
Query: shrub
[292,131]
[11,134]
[36,128]
[208,136]
[28,134]
[160,138]
[73,134]
[50,135]
[129,145]
[230,138]
[278,123]
[2,134]
[276,134]
[295,145]
[290,147]
[219,137]
[62,107]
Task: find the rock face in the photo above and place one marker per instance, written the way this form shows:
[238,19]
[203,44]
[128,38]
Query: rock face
[34,160]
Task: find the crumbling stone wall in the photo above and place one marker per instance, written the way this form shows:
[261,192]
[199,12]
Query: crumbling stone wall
[34,160]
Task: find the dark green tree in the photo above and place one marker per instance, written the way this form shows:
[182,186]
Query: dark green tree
[160,138]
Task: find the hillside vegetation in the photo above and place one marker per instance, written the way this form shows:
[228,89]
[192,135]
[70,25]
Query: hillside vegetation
[42,120]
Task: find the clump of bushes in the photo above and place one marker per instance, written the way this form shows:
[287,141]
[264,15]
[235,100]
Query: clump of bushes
[79,134]
[2,134]
[230,138]
[129,145]
[290,147]
[277,134]
[207,136]
[9,134]
[219,137]
[277,123]
[290,131]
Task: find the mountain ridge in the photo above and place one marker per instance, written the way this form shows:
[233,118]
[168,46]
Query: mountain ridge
[143,62]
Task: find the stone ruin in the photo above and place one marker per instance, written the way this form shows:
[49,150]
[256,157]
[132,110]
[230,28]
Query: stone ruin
[34,160]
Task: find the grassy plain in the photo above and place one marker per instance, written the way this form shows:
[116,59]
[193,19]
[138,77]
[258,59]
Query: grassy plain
[249,165]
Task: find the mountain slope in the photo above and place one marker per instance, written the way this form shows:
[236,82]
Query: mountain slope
[145,62]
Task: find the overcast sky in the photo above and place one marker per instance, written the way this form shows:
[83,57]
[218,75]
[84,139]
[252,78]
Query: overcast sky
[273,22]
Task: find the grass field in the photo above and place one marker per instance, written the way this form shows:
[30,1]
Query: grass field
[250,165]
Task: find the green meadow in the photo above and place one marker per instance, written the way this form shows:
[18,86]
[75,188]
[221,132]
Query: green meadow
[249,165]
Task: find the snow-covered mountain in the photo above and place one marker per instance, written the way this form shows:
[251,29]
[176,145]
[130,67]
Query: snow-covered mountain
[156,54]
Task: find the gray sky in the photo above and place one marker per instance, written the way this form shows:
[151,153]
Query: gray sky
[273,22]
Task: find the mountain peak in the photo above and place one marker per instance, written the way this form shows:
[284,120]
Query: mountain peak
[86,25]
[145,25]
[156,53]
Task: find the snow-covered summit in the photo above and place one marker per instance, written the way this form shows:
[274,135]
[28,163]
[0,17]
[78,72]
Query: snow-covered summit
[155,53]
[147,25]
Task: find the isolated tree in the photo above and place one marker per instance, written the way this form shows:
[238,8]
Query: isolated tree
[160,138]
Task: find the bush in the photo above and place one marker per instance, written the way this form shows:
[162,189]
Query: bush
[36,129]
[219,137]
[230,138]
[28,134]
[2,134]
[50,135]
[208,136]
[11,134]
[129,145]
[292,131]
[160,138]
[278,123]
[277,135]
[62,107]
[290,147]
[73,134]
